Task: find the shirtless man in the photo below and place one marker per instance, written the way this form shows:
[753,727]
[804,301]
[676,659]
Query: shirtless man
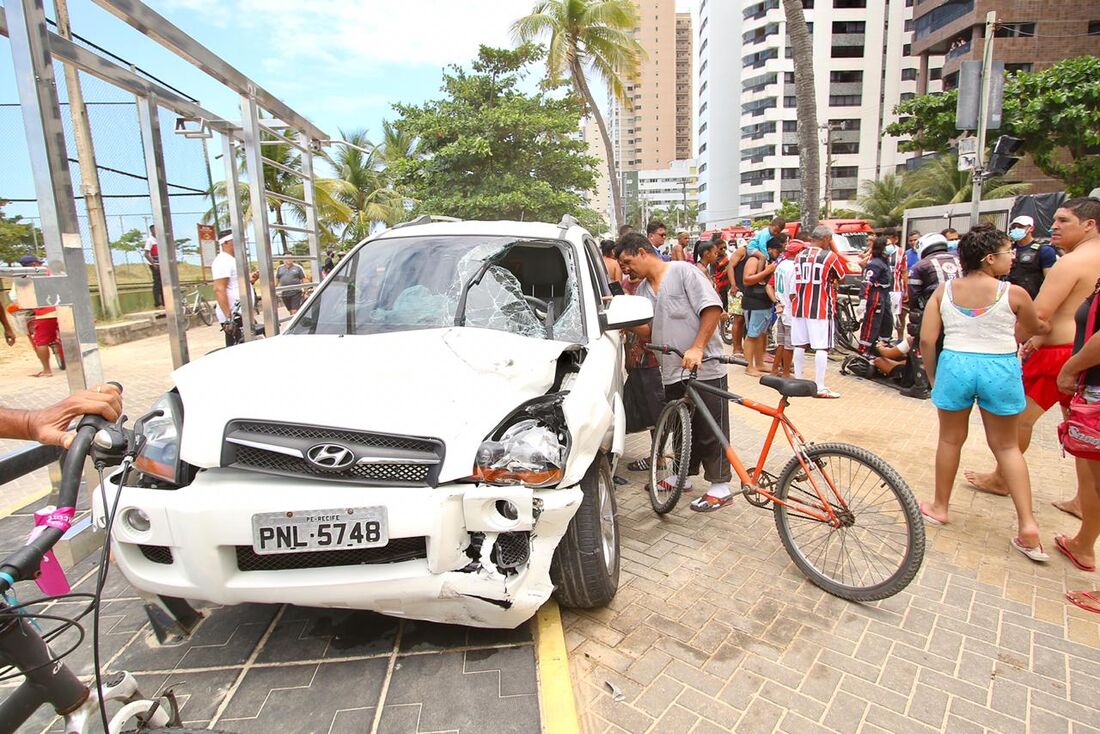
[680,249]
[1071,280]
[614,272]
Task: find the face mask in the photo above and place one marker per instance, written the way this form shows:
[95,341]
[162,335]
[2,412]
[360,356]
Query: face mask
[952,245]
[1016,234]
[889,250]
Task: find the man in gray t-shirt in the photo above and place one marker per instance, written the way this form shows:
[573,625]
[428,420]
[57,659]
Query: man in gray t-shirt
[686,311]
[291,273]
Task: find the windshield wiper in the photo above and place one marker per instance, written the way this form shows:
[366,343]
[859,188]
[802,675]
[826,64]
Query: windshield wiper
[460,309]
[490,260]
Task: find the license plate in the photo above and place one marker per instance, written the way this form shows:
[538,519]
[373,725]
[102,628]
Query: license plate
[319,530]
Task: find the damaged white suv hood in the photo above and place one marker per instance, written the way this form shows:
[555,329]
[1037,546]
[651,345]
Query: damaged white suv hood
[454,384]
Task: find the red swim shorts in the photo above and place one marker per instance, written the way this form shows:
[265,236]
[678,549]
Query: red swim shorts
[44,332]
[1041,375]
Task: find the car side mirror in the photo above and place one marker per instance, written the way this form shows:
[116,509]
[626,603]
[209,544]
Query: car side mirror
[624,312]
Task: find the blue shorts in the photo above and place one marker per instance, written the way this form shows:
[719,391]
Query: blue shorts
[994,380]
[757,321]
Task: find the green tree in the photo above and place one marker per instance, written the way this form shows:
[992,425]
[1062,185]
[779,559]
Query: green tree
[939,181]
[593,35]
[368,195]
[130,241]
[1056,112]
[17,238]
[809,159]
[883,203]
[789,211]
[491,151]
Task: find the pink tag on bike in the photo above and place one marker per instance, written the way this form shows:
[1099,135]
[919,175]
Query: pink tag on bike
[51,578]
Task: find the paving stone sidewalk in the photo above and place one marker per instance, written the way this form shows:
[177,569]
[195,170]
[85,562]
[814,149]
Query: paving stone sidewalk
[714,629]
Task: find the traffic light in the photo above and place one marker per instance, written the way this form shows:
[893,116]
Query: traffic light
[1002,158]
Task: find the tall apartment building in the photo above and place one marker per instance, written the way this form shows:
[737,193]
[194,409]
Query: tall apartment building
[863,67]
[683,86]
[718,140]
[599,198]
[1032,35]
[650,133]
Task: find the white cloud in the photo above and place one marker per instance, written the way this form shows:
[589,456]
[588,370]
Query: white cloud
[365,33]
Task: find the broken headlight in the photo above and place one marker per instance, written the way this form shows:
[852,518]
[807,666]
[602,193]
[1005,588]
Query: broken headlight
[529,447]
[159,456]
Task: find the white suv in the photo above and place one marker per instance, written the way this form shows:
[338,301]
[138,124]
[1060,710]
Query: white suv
[432,437]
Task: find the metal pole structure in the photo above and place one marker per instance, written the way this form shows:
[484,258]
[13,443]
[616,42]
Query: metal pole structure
[68,284]
[89,177]
[261,234]
[828,168]
[309,195]
[236,224]
[983,117]
[153,147]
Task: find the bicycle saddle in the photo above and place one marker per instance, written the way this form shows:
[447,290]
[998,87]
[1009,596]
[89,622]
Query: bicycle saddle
[790,388]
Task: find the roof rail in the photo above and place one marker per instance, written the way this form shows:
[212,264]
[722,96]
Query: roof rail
[567,221]
[426,219]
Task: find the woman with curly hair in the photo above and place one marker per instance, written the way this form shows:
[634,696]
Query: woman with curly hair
[981,316]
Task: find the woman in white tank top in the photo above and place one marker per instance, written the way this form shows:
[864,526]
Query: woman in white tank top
[982,320]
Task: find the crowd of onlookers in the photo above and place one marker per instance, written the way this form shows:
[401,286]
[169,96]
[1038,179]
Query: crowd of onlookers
[1000,319]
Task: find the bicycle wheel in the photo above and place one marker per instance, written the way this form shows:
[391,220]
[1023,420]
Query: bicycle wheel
[725,329]
[669,457]
[58,354]
[879,546]
[205,312]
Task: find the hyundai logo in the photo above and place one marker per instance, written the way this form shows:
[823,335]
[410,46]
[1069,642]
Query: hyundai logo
[330,456]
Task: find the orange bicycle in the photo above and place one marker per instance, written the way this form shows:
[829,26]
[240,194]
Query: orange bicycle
[845,516]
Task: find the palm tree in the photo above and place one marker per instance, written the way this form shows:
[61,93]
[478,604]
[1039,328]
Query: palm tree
[595,35]
[883,203]
[941,182]
[397,144]
[327,193]
[368,195]
[809,164]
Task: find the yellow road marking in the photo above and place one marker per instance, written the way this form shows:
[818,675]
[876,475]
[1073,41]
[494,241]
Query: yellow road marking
[556,702]
[4,512]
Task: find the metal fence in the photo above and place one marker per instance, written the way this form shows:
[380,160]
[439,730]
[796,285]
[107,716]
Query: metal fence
[112,115]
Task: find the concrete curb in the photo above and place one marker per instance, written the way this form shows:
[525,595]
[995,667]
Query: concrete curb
[557,705]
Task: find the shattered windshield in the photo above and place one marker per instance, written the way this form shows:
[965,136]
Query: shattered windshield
[524,287]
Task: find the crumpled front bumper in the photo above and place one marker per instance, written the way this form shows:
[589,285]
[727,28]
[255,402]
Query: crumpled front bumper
[198,529]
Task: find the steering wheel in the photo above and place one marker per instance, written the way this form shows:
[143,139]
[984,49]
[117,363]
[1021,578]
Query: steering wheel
[538,304]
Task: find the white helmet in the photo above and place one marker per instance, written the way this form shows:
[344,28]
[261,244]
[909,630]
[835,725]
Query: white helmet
[933,238]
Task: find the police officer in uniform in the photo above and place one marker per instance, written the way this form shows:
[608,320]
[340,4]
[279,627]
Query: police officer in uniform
[1033,259]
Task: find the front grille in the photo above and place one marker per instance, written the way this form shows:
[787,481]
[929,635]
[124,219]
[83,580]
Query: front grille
[267,461]
[398,549]
[404,461]
[317,434]
[157,553]
[512,549]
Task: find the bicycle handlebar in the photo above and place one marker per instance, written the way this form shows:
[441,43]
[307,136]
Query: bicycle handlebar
[666,349]
[23,563]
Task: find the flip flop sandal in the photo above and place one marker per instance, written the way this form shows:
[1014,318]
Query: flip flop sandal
[1036,554]
[639,465]
[710,503]
[1087,600]
[669,486]
[620,480]
[1060,544]
[929,520]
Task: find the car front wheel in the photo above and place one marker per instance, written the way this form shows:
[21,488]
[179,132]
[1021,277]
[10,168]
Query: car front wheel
[585,569]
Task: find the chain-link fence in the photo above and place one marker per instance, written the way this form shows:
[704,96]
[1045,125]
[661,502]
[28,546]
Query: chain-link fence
[120,160]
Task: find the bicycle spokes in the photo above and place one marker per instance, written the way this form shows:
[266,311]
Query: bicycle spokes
[869,541]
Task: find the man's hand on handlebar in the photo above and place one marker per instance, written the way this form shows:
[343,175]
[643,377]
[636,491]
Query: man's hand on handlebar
[692,358]
[50,425]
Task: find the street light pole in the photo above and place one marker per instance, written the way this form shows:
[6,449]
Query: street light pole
[983,117]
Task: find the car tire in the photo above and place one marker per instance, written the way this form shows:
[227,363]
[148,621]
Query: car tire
[585,568]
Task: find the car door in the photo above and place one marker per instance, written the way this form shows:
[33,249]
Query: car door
[606,345]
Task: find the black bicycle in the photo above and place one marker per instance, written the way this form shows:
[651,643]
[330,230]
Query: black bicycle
[847,323]
[26,651]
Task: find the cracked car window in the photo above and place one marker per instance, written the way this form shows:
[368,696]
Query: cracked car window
[408,283]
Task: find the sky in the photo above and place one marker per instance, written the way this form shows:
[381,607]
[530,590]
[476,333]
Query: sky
[340,63]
